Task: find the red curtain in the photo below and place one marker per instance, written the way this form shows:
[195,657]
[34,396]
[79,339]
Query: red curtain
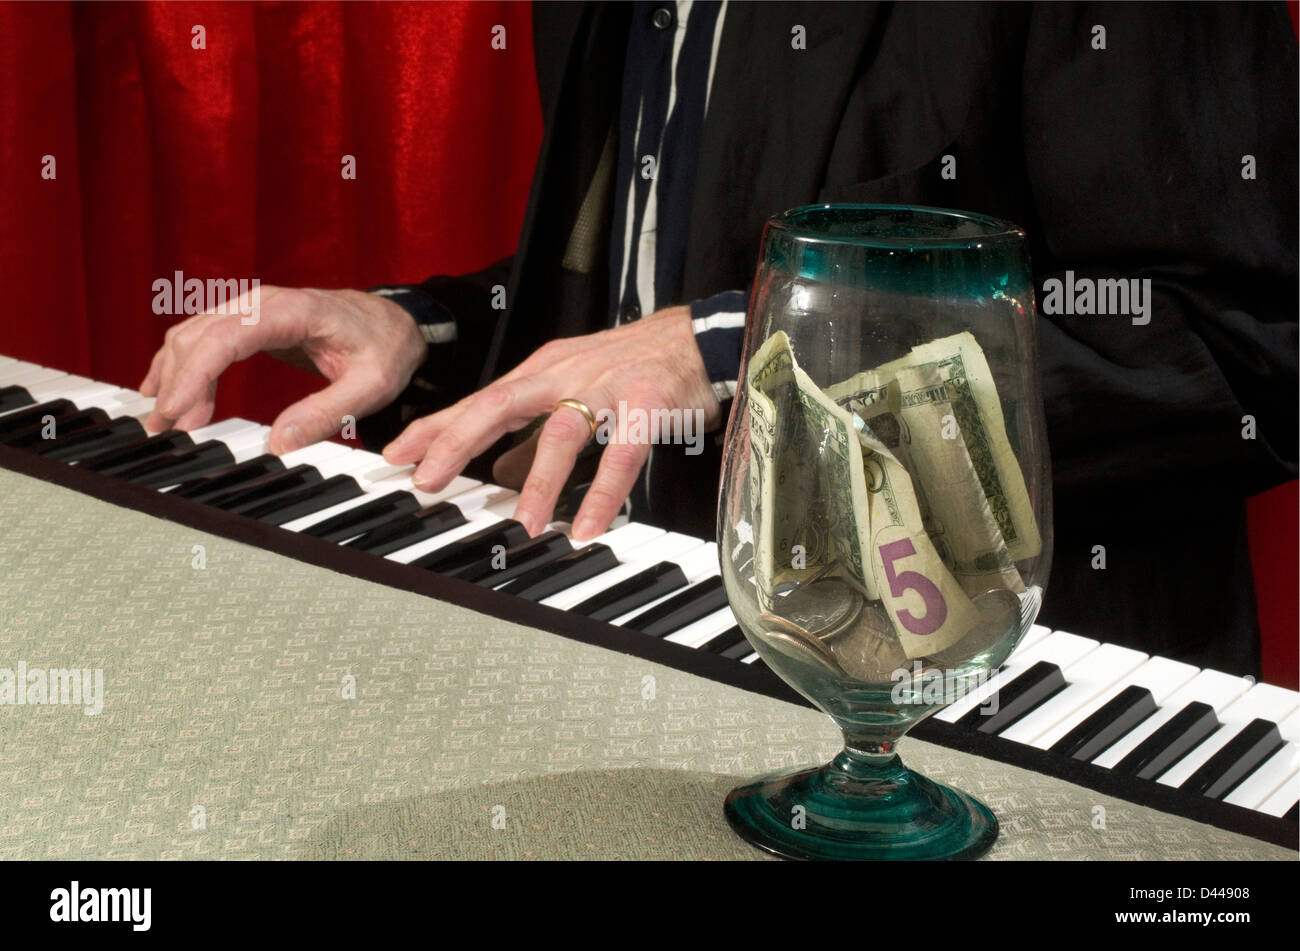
[226,162]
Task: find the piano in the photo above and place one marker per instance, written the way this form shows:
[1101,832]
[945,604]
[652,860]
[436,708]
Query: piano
[1202,744]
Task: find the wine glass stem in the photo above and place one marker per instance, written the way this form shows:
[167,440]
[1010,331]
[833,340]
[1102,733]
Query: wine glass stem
[865,763]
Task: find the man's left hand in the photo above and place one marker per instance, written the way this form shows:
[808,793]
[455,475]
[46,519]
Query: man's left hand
[652,364]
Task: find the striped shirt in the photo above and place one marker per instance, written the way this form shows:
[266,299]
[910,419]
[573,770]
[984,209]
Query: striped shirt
[672,51]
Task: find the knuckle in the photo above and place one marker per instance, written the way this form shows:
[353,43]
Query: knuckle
[622,458]
[551,350]
[648,394]
[169,336]
[496,399]
[538,488]
[450,443]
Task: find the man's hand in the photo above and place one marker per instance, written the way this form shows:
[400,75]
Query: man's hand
[651,364]
[366,346]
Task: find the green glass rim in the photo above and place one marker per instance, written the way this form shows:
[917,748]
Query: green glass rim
[855,221]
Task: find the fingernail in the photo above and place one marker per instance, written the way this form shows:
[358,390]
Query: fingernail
[424,476]
[584,528]
[291,439]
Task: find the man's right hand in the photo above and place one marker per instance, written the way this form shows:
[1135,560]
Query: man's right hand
[365,345]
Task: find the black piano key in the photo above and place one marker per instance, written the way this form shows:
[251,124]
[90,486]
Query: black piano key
[64,429]
[14,397]
[502,566]
[310,498]
[119,460]
[562,573]
[1024,693]
[256,491]
[81,445]
[409,529]
[739,651]
[686,607]
[224,480]
[181,464]
[1238,758]
[34,414]
[1112,720]
[359,520]
[634,592]
[1167,745]
[724,641]
[1293,814]
[466,551]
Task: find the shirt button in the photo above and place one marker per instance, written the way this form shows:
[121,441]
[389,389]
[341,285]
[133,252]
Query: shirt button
[629,313]
[662,18]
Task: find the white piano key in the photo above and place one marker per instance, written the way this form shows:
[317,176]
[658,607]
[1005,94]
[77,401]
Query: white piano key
[59,388]
[103,395]
[314,455]
[1032,636]
[1085,679]
[1212,687]
[1273,774]
[139,408]
[699,633]
[750,659]
[487,500]
[31,376]
[1290,727]
[10,373]
[1262,700]
[351,462]
[700,563]
[668,547]
[625,538]
[1159,675]
[1059,647]
[402,483]
[1281,801]
[248,444]
[223,430]
[377,469]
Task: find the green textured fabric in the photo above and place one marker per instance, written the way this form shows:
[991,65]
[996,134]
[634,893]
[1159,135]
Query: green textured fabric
[224,701]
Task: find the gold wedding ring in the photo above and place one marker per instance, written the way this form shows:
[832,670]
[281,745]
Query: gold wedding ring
[582,408]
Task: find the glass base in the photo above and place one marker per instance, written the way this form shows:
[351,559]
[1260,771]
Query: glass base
[853,809]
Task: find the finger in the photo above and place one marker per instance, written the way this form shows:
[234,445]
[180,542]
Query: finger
[320,415]
[157,421]
[413,442]
[201,355]
[149,386]
[620,465]
[560,440]
[200,414]
[511,468]
[487,416]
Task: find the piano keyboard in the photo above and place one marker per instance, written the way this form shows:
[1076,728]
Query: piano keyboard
[1213,746]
